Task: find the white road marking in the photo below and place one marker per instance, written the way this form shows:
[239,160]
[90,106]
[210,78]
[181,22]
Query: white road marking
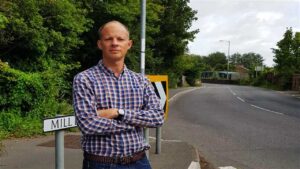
[181,93]
[232,91]
[241,99]
[227,167]
[174,141]
[275,112]
[194,165]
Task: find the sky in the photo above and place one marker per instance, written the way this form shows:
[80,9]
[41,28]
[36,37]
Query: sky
[250,26]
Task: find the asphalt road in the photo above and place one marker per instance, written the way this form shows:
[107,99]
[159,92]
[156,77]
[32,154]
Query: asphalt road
[243,127]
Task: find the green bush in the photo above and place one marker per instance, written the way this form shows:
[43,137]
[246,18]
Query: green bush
[192,76]
[27,98]
[173,79]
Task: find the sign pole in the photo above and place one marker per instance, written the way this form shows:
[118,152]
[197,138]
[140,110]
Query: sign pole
[160,84]
[58,125]
[158,140]
[143,46]
[59,149]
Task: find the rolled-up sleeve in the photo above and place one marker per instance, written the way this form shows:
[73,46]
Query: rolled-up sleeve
[151,115]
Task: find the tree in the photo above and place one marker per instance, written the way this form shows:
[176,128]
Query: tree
[216,61]
[296,51]
[287,58]
[41,33]
[235,59]
[284,53]
[190,66]
[251,60]
[36,43]
[174,34]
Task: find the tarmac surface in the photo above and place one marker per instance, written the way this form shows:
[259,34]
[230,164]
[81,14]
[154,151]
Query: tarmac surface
[39,153]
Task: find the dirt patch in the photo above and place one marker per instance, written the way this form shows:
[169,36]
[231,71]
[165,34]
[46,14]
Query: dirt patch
[71,141]
[205,164]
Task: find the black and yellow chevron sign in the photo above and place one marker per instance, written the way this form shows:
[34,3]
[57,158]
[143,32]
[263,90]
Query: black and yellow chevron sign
[160,84]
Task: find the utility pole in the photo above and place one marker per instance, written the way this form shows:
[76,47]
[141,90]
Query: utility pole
[228,56]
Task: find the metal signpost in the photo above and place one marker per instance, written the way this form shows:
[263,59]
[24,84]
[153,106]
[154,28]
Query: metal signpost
[143,46]
[160,84]
[57,124]
[160,91]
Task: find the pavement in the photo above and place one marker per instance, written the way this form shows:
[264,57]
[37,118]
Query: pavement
[295,94]
[39,153]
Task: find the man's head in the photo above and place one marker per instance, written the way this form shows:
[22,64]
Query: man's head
[114,41]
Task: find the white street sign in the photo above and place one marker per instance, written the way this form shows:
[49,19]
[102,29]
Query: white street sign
[59,123]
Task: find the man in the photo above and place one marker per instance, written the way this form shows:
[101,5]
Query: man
[112,105]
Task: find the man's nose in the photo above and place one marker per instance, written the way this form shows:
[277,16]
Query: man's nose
[115,41]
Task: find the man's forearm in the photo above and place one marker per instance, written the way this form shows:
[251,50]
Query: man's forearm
[144,118]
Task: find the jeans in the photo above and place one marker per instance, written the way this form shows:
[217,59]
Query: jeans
[140,164]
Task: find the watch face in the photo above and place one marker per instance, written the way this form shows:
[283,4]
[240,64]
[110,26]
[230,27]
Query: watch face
[121,112]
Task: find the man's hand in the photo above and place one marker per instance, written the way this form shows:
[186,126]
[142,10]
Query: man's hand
[108,113]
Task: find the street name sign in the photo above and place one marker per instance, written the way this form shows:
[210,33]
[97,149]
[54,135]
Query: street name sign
[59,123]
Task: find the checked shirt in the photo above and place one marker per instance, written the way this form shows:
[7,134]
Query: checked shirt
[98,88]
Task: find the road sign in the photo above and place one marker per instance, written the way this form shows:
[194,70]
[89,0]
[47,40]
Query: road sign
[259,68]
[58,123]
[160,84]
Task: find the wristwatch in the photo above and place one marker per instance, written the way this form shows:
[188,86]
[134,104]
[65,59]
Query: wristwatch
[121,112]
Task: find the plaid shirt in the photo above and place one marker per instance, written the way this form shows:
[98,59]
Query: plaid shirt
[98,88]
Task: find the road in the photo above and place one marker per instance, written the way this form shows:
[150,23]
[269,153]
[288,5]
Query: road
[239,126]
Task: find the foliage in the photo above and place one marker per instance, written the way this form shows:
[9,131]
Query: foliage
[174,33]
[249,60]
[190,66]
[236,59]
[266,79]
[28,97]
[216,61]
[41,30]
[287,58]
[3,21]
[37,41]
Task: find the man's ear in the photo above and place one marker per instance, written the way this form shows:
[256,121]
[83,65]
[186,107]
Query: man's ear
[99,44]
[130,43]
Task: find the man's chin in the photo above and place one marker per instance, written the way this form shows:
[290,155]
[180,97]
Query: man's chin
[115,58]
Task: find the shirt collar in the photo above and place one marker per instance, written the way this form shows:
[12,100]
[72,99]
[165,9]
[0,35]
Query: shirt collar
[108,71]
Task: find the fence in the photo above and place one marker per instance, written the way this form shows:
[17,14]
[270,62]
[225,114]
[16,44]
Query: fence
[296,82]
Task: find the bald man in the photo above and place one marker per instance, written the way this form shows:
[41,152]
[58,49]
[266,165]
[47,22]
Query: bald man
[112,106]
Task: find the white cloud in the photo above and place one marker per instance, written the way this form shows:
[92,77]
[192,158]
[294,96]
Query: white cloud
[250,25]
[268,17]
